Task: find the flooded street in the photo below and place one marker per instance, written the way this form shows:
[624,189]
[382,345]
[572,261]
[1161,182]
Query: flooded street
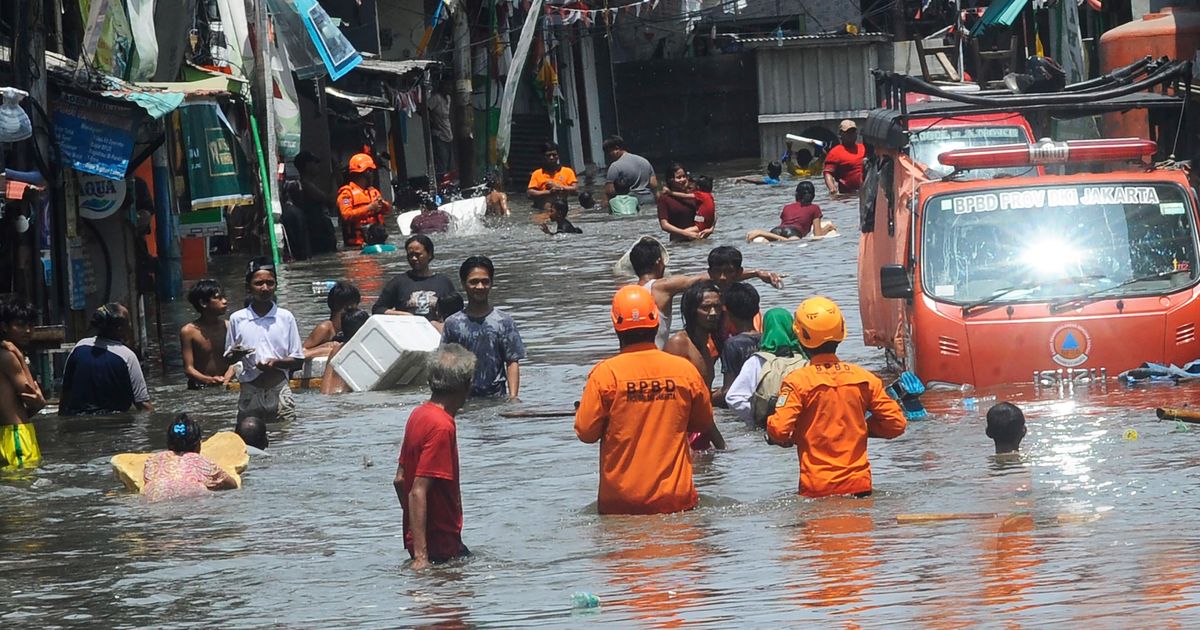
[1092,523]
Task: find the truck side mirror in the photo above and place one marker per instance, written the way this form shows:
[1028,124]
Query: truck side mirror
[894,282]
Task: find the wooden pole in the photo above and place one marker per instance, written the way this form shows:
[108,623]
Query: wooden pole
[464,134]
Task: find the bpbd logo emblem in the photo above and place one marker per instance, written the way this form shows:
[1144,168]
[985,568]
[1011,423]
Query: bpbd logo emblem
[1070,345]
[99,197]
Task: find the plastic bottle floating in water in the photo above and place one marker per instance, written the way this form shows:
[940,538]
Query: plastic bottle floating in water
[322,287]
[973,403]
[583,599]
[1131,434]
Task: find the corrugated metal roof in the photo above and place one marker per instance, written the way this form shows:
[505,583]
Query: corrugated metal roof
[157,99]
[359,100]
[794,80]
[395,68]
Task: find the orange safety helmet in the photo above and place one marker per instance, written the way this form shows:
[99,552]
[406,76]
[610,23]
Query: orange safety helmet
[633,307]
[818,321]
[361,163]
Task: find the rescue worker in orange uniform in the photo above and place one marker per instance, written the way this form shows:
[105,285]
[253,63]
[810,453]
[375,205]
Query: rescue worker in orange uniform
[360,203]
[822,408]
[640,405]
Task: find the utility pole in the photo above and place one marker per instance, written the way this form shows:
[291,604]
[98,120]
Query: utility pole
[464,135]
[29,63]
[899,21]
[28,56]
[263,94]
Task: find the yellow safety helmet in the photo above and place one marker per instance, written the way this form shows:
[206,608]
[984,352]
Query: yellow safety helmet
[818,321]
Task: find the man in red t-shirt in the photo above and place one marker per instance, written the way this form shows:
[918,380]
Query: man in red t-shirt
[844,162]
[427,478]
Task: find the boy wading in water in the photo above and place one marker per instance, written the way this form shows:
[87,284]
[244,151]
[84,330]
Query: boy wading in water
[648,258]
[264,338]
[20,395]
[1006,427]
[202,342]
[488,332]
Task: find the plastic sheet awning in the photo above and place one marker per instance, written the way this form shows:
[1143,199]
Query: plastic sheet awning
[157,99]
[999,13]
[359,100]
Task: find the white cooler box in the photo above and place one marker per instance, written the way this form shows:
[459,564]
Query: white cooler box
[389,350]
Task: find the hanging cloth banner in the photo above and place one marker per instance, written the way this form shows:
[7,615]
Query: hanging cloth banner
[237,37]
[286,103]
[115,46]
[528,32]
[145,41]
[216,169]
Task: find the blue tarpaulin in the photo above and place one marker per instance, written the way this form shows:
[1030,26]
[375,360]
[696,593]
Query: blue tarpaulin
[999,13]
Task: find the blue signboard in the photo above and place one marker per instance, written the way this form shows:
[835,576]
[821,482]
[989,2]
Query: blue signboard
[95,135]
[336,51]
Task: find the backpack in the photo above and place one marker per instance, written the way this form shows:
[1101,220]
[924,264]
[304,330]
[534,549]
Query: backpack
[770,380]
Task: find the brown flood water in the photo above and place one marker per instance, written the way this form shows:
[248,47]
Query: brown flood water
[1089,525]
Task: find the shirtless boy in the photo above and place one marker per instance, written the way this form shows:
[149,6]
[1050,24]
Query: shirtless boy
[20,395]
[648,258]
[202,342]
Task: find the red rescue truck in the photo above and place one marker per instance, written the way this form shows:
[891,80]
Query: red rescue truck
[977,267]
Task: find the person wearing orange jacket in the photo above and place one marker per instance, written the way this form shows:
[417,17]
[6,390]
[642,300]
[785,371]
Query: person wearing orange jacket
[360,203]
[822,408]
[640,405]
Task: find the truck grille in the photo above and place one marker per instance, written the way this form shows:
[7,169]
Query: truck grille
[1185,334]
[948,345]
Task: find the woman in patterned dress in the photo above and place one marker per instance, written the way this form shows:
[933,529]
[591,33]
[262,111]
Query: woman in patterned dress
[181,470]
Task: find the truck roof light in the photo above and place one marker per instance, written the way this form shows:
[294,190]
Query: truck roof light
[1048,152]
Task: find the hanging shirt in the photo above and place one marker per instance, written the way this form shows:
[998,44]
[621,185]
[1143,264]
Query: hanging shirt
[439,121]
[640,405]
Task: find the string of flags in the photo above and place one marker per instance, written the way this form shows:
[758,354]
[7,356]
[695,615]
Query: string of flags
[570,11]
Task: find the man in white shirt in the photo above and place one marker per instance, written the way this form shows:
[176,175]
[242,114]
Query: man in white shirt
[265,339]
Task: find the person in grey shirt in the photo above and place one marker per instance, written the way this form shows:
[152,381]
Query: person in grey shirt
[632,168]
[438,107]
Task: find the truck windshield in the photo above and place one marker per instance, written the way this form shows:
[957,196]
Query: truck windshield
[1048,243]
[929,143]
